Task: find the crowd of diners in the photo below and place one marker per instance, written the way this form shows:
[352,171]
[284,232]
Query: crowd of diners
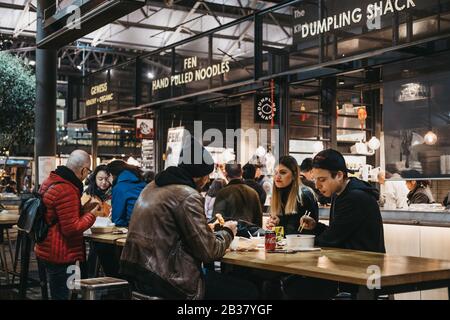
[173,236]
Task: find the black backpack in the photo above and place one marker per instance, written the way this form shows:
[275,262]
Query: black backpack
[32,216]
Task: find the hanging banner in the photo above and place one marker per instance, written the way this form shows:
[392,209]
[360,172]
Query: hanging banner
[148,155]
[145,129]
[265,109]
[174,146]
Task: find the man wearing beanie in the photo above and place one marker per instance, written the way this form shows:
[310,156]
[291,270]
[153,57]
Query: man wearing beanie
[169,238]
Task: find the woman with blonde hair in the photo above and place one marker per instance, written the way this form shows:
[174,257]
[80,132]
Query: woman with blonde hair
[290,198]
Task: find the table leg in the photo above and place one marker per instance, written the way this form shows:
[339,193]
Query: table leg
[365,293]
[448,292]
[24,265]
[3,258]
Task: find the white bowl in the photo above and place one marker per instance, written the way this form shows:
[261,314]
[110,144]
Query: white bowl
[297,241]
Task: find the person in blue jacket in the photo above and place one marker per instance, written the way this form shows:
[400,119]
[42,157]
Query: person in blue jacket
[128,183]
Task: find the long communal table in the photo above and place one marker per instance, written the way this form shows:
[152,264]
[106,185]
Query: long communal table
[394,274]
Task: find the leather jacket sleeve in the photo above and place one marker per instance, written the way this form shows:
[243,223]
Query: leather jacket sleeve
[201,241]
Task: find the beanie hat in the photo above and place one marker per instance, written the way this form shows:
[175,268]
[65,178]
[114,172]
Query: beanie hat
[195,159]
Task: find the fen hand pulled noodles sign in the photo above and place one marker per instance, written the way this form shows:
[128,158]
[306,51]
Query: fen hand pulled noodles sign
[192,75]
[102,91]
[345,18]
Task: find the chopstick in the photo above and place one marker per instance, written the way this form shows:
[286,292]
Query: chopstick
[300,228]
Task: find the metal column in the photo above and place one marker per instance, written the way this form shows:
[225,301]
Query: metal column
[45,123]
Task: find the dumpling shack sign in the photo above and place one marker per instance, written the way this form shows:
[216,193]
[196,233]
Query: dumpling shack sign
[191,73]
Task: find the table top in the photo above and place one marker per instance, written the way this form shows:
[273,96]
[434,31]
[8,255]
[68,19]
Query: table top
[108,238]
[8,218]
[347,266]
[121,242]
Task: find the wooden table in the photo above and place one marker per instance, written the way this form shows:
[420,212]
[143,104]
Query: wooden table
[397,273]
[121,242]
[8,219]
[108,238]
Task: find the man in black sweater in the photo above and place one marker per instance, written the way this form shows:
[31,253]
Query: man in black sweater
[355,219]
[355,222]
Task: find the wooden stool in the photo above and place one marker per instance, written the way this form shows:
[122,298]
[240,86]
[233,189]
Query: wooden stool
[95,288]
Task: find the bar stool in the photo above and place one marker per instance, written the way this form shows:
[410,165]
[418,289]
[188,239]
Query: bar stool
[96,288]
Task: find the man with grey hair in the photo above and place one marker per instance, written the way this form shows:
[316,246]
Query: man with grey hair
[67,219]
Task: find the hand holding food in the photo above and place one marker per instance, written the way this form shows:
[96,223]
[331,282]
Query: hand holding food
[91,206]
[308,223]
[273,221]
[218,221]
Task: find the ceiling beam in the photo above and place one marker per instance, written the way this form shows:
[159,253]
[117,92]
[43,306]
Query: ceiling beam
[221,10]
[15,6]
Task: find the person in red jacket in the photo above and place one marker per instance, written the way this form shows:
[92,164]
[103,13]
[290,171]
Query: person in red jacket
[64,244]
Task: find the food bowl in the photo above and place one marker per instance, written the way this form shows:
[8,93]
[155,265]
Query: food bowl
[300,241]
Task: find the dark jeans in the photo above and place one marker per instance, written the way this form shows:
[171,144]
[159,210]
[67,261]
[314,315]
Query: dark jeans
[57,276]
[108,257]
[218,286]
[303,288]
[221,286]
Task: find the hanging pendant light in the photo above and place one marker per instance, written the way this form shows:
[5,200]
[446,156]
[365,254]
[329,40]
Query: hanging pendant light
[430,138]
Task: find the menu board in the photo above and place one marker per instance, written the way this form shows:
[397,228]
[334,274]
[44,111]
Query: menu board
[174,146]
[148,155]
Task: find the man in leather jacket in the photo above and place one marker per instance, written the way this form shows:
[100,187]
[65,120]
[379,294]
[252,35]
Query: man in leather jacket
[169,237]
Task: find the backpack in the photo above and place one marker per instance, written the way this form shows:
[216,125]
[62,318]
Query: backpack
[32,216]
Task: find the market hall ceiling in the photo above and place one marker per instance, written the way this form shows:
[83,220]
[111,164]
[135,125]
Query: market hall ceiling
[155,25]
